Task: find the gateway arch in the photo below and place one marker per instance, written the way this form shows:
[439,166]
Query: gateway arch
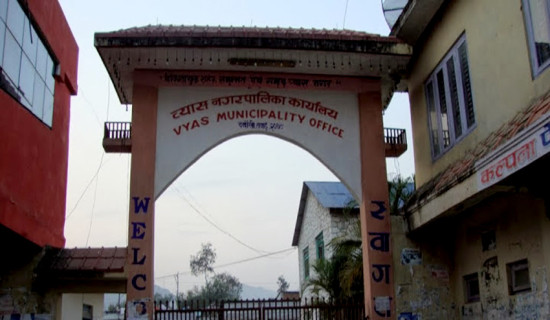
[192,88]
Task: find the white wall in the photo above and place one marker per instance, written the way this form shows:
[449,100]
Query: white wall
[71,305]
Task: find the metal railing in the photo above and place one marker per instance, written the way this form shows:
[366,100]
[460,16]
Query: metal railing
[117,130]
[312,309]
[395,136]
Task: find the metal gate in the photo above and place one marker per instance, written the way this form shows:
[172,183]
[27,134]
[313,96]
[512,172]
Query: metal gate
[314,309]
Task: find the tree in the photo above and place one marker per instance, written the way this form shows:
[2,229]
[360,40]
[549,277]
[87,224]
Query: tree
[222,286]
[203,261]
[399,192]
[282,285]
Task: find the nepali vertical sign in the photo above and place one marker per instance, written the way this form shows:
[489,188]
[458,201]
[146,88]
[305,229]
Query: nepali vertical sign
[374,211]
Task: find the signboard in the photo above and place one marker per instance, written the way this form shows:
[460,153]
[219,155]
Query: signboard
[193,120]
[514,155]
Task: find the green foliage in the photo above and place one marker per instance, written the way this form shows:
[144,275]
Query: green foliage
[341,276]
[222,286]
[202,263]
[398,192]
[282,285]
[113,309]
[164,297]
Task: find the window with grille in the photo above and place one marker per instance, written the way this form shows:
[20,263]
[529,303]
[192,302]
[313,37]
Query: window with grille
[449,100]
[471,287]
[537,23]
[320,245]
[27,68]
[306,263]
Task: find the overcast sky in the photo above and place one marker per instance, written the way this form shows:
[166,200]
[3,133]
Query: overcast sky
[243,195]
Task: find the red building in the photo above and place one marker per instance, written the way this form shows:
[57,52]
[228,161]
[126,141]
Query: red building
[38,63]
[39,68]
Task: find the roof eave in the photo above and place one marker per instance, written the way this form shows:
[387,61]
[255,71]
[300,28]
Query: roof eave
[300,217]
[414,19]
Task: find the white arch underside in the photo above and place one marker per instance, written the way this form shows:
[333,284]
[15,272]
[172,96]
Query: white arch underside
[184,136]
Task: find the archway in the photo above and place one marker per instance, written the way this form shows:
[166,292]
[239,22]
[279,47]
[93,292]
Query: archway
[257,182]
[256,82]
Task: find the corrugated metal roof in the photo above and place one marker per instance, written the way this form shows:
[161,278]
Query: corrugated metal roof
[332,195]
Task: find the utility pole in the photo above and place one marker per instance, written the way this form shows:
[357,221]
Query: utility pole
[177,276]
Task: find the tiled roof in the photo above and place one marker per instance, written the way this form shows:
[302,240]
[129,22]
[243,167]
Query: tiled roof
[244,32]
[85,259]
[464,167]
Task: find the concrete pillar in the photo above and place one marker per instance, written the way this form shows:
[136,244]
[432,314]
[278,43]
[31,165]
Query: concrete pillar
[139,264]
[374,210]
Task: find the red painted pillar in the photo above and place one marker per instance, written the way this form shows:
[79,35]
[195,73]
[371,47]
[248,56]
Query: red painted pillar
[375,214]
[139,262]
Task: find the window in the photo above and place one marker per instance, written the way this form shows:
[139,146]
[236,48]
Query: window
[471,288]
[320,245]
[449,100]
[87,312]
[488,240]
[537,21]
[306,263]
[27,69]
[518,276]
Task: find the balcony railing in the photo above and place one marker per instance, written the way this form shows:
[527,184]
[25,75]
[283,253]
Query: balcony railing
[118,138]
[395,141]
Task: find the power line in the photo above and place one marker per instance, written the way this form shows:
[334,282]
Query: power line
[230,263]
[101,164]
[214,224]
[93,204]
[345,14]
[253,258]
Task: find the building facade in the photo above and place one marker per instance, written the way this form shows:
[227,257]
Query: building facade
[38,60]
[321,218]
[473,242]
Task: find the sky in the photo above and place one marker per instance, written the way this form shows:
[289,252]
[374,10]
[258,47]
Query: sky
[243,195]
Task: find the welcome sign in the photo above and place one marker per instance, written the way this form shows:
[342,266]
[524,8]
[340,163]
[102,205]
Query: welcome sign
[193,120]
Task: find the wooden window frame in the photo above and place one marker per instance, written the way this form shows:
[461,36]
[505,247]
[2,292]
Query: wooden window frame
[458,103]
[536,66]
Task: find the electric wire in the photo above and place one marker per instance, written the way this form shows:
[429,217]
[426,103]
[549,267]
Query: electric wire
[101,164]
[180,193]
[345,14]
[93,205]
[231,263]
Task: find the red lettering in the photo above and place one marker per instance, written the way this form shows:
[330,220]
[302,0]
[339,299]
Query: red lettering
[177,130]
[205,121]
[327,127]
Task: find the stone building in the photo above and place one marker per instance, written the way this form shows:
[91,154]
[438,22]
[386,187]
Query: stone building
[322,216]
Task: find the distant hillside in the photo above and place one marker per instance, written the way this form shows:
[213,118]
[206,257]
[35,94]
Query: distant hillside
[113,298]
[250,292]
